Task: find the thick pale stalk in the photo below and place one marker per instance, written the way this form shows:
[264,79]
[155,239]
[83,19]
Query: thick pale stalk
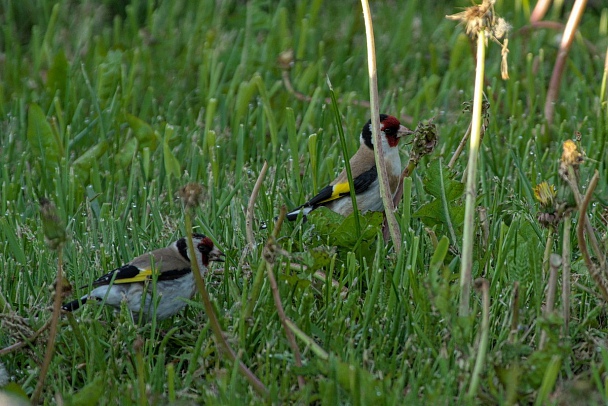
[560,63]
[471,191]
[385,192]
[482,349]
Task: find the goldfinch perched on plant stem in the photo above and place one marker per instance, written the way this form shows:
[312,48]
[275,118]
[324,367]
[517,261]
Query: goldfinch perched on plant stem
[336,196]
[174,283]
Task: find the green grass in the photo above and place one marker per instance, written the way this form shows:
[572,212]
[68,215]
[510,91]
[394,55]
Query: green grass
[109,109]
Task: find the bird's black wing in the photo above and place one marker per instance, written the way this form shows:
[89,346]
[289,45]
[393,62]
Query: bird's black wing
[173,274]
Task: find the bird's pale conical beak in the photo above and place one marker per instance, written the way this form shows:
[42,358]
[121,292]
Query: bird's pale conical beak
[216,255]
[404,132]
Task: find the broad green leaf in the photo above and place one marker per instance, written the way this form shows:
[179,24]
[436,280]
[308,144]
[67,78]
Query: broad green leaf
[433,214]
[143,132]
[90,394]
[57,76]
[324,220]
[40,136]
[82,165]
[341,230]
[440,253]
[321,257]
[125,156]
[439,183]
[172,166]
[13,242]
[433,184]
[109,75]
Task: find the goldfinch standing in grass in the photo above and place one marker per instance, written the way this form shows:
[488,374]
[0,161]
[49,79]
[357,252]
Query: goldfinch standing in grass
[336,196]
[132,283]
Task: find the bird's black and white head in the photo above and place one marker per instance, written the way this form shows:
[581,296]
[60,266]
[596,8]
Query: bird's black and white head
[204,249]
[391,129]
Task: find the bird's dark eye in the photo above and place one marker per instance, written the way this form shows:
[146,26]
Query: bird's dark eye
[390,131]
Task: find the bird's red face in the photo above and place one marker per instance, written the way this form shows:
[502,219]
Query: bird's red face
[209,251]
[390,126]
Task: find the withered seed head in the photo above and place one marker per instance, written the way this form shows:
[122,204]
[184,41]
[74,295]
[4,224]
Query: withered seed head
[571,156]
[191,195]
[52,224]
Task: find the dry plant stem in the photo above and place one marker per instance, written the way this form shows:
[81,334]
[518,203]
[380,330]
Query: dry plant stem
[572,182]
[304,97]
[554,263]
[540,10]
[399,194]
[385,191]
[547,253]
[483,285]
[28,340]
[310,343]
[471,191]
[596,274]
[213,320]
[251,206]
[555,26]
[566,273]
[514,313]
[50,345]
[560,63]
[274,287]
[460,147]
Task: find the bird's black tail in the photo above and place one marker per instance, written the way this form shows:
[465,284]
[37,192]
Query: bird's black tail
[304,209]
[74,304]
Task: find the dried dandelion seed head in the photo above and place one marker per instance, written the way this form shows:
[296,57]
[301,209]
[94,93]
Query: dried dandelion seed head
[191,195]
[285,59]
[52,224]
[571,156]
[476,18]
[545,194]
[501,28]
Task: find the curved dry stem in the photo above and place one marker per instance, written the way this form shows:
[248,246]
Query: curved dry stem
[580,235]
[269,256]
[555,26]
[458,151]
[540,10]
[259,387]
[27,341]
[251,206]
[50,345]
[555,261]
[303,97]
[562,56]
[571,180]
